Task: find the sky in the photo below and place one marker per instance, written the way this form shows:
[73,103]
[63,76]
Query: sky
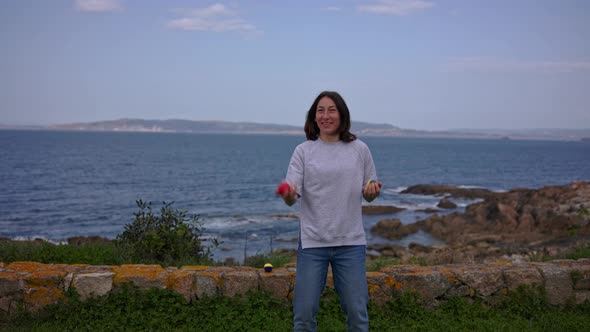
[415,64]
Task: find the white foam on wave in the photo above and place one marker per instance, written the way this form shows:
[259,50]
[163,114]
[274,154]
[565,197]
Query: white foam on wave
[412,206]
[38,237]
[466,186]
[495,190]
[395,190]
[220,223]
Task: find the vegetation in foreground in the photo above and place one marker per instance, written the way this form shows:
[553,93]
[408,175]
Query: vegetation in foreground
[160,310]
[173,238]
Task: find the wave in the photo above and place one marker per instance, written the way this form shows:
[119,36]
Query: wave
[495,190]
[38,237]
[395,190]
[222,223]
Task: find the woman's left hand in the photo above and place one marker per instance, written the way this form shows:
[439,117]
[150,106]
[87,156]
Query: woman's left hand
[372,190]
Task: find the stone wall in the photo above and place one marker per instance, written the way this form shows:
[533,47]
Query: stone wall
[33,285]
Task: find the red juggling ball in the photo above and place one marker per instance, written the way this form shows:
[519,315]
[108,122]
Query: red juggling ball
[283,188]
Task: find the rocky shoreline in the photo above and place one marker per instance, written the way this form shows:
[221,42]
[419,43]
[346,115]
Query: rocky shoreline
[519,225]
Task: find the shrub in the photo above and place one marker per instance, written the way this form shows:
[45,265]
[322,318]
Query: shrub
[168,239]
[276,258]
[45,252]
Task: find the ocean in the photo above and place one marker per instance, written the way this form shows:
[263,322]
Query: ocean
[55,185]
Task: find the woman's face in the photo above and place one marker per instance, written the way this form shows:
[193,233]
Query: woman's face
[327,117]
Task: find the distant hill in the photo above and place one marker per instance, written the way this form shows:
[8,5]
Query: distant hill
[20,127]
[180,126]
[535,133]
[358,128]
[188,126]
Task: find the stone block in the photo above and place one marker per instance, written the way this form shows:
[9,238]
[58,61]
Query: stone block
[9,283]
[582,296]
[239,282]
[142,276]
[183,282]
[520,275]
[426,281]
[207,283]
[5,304]
[381,287]
[93,284]
[279,282]
[557,281]
[483,279]
[581,277]
[42,284]
[458,291]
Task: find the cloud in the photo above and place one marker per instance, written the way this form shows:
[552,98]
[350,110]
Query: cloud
[215,18]
[98,5]
[396,7]
[491,64]
[332,9]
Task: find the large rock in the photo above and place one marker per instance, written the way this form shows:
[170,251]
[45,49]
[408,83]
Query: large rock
[380,209]
[456,192]
[520,215]
[93,284]
[392,229]
[387,249]
[446,204]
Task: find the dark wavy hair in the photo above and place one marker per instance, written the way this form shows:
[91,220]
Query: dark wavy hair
[312,131]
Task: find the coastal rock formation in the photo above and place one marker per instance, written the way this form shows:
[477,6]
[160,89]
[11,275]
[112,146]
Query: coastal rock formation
[446,204]
[380,209]
[455,192]
[392,229]
[520,215]
[519,226]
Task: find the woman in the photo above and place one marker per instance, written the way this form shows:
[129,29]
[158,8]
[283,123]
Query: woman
[330,173]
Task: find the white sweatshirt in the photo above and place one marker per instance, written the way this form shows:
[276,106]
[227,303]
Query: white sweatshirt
[330,178]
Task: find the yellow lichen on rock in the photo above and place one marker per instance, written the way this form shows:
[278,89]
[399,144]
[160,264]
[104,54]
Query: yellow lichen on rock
[125,273]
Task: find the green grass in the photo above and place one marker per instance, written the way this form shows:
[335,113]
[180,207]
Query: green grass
[377,263]
[43,252]
[108,253]
[276,258]
[162,310]
[580,252]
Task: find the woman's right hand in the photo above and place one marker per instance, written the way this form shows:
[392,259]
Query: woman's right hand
[289,194]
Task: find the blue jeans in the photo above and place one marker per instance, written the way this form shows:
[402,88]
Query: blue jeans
[350,281]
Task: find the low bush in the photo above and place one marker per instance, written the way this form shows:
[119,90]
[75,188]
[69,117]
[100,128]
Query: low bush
[168,239]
